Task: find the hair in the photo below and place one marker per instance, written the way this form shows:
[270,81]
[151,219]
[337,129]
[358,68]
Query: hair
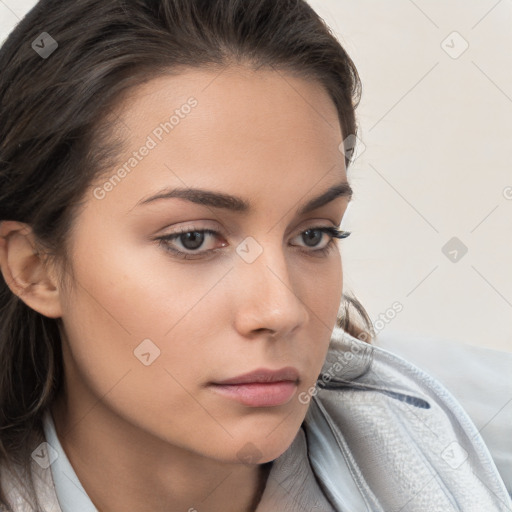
[56,138]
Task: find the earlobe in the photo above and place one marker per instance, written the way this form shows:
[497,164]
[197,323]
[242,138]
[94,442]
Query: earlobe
[24,271]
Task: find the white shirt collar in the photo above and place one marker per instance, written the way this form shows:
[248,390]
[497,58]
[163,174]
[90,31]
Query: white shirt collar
[70,493]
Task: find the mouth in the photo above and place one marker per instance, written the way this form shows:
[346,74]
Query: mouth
[260,388]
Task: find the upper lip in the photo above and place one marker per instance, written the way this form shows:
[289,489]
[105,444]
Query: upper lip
[264,375]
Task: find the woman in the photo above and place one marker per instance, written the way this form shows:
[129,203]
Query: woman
[172,187]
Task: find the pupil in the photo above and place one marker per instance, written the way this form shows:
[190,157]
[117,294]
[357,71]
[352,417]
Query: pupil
[316,239]
[192,240]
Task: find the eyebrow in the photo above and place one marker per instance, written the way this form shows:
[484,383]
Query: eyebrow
[240,205]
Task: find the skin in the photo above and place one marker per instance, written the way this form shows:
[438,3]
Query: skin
[269,138]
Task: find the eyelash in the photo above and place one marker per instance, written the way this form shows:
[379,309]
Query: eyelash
[164,242]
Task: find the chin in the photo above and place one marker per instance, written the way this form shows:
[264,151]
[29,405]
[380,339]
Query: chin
[262,445]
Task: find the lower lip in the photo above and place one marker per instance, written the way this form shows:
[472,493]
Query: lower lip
[258,394]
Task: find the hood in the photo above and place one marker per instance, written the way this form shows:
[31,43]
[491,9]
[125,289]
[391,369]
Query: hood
[385,436]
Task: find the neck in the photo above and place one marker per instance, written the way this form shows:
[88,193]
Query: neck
[145,473]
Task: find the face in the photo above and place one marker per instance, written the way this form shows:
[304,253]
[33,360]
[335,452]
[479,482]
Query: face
[256,285]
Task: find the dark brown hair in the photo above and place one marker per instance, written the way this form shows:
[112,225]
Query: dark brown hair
[54,137]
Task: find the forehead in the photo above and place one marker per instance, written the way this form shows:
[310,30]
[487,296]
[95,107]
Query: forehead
[254,105]
[233,129]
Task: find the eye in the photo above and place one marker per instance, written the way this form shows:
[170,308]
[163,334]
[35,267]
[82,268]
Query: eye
[313,236]
[191,240]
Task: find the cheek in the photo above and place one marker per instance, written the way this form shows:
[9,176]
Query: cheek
[184,312]
[326,291]
[142,356]
[322,289]
[136,323]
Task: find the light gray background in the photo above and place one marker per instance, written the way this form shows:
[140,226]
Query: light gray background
[437,164]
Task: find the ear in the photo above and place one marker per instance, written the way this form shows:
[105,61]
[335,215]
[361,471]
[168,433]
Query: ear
[23,269]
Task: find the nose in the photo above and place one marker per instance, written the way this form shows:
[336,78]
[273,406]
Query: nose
[266,297]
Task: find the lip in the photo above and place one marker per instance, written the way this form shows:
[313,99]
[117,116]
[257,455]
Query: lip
[260,388]
[264,375]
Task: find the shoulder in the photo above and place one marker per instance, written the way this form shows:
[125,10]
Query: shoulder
[399,434]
